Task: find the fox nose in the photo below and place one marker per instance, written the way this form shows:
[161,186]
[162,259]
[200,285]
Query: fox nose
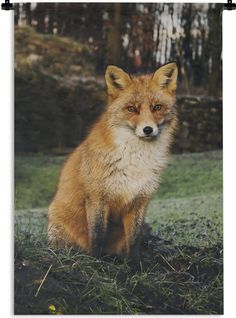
[147,130]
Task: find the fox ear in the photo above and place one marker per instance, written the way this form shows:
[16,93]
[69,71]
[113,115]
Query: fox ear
[116,80]
[166,77]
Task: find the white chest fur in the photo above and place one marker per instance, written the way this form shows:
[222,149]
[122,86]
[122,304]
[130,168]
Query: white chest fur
[135,165]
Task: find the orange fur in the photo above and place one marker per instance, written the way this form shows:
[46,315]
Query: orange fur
[107,182]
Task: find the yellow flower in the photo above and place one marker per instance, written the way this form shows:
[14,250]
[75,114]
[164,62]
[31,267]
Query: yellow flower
[52,309]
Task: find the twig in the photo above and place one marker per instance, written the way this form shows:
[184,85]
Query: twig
[168,263]
[43,280]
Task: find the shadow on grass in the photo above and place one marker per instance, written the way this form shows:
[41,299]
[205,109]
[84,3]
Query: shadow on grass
[169,280]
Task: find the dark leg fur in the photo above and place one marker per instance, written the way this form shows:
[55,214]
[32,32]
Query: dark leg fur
[98,238]
[97,215]
[134,254]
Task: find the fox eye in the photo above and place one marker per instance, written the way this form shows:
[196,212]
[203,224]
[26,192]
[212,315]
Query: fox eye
[156,107]
[131,109]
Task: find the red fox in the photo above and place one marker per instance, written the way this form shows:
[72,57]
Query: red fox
[107,182]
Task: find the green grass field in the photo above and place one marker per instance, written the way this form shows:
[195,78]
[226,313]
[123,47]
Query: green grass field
[181,268]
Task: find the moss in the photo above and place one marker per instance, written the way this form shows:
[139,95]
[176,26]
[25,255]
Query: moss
[54,54]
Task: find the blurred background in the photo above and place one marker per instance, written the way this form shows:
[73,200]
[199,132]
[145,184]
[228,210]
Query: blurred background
[62,50]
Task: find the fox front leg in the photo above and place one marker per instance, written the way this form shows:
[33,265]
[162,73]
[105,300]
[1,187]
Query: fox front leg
[133,219]
[97,219]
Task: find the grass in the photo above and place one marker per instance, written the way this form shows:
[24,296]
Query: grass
[35,180]
[181,271]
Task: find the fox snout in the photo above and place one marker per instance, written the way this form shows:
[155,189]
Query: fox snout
[147,130]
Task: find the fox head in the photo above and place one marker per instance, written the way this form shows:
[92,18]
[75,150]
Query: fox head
[143,104]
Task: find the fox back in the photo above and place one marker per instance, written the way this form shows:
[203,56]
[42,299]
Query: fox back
[108,181]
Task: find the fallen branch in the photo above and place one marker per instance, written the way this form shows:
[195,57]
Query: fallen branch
[43,280]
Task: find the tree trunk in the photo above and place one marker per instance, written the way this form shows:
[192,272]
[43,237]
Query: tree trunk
[114,36]
[215,44]
[27,7]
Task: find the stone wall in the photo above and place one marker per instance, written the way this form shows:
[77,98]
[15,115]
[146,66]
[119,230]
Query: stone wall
[54,118]
[200,124]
